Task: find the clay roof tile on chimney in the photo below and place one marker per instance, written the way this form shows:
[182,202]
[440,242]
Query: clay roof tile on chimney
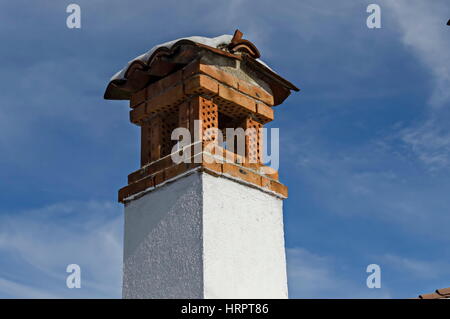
[168,57]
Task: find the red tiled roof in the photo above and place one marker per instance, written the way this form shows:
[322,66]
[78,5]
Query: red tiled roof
[443,293]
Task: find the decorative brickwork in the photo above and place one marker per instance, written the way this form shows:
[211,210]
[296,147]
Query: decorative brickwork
[213,89]
[253,140]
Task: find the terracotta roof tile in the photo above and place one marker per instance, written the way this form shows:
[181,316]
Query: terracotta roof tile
[430,296]
[170,57]
[442,293]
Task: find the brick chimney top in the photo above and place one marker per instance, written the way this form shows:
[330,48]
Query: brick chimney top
[168,57]
[213,88]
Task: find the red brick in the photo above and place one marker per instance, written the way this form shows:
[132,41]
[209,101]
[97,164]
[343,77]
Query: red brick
[155,138]
[191,69]
[150,169]
[220,75]
[123,193]
[253,166]
[256,92]
[265,111]
[138,98]
[212,164]
[200,84]
[161,164]
[183,115]
[241,173]
[235,97]
[278,188]
[172,96]
[171,80]
[158,178]
[176,170]
[164,84]
[136,175]
[265,182]
[135,188]
[138,114]
[145,143]
[269,172]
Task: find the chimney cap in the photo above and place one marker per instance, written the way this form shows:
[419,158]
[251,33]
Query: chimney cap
[166,58]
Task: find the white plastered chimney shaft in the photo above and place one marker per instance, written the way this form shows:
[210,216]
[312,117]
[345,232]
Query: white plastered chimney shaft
[203,236]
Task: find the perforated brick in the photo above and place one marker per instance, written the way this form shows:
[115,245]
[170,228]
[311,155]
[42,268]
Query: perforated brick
[253,140]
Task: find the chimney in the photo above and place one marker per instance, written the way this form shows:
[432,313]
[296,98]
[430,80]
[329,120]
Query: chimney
[202,220]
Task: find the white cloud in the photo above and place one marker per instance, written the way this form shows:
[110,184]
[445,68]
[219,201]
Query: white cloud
[416,268]
[42,242]
[423,30]
[430,141]
[315,276]
[374,180]
[11,289]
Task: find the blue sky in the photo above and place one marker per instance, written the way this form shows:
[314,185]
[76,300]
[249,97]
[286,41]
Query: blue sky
[365,146]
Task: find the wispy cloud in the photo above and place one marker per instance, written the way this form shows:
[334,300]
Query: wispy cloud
[11,289]
[314,276]
[423,30]
[42,242]
[430,141]
[372,180]
[417,268]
